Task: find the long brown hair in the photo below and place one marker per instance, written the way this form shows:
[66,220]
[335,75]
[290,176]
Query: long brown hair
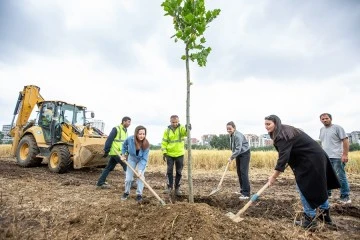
[143,144]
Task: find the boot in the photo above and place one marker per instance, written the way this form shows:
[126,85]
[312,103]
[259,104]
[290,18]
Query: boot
[168,190]
[324,216]
[178,192]
[306,222]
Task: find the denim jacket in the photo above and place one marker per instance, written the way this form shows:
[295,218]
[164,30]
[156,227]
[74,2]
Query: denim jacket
[130,149]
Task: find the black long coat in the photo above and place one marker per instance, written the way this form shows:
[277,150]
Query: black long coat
[311,166]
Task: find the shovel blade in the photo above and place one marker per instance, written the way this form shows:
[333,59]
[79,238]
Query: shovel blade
[214,191]
[234,217]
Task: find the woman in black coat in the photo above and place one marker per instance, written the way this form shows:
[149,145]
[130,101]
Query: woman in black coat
[310,165]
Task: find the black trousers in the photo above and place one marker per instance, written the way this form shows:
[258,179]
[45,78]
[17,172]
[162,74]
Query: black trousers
[179,164]
[242,169]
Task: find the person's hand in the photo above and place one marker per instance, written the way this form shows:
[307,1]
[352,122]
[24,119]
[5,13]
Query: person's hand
[229,159]
[164,157]
[271,180]
[105,155]
[344,158]
[188,126]
[123,158]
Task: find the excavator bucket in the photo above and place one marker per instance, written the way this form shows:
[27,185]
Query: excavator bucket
[89,152]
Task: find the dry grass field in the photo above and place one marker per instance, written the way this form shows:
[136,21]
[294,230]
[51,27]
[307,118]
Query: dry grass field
[216,159]
[38,204]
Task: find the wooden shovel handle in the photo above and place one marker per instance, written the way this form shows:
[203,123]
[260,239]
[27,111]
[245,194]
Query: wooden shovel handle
[222,177]
[252,199]
[145,183]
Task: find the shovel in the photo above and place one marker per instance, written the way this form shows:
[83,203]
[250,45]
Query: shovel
[143,180]
[236,217]
[222,179]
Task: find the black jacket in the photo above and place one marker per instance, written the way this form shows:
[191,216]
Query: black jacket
[311,166]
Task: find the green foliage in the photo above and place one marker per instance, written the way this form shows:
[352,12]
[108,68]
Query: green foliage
[155,147]
[354,147]
[190,20]
[220,142]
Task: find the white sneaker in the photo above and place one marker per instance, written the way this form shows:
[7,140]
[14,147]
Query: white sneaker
[243,197]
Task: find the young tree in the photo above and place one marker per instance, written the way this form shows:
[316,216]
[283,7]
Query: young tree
[190,20]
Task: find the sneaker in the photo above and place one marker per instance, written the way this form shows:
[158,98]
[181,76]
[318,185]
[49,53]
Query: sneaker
[167,191]
[104,186]
[178,192]
[125,196]
[345,200]
[139,198]
[243,197]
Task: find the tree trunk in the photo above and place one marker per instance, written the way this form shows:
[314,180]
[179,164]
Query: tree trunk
[188,84]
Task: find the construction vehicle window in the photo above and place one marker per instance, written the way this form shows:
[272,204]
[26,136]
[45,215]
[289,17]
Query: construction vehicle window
[47,113]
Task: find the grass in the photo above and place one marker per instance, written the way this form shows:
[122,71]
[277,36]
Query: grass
[217,159]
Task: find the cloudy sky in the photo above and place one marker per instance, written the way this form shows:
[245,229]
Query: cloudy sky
[292,58]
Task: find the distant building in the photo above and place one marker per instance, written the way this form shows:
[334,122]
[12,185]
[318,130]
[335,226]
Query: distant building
[5,130]
[99,124]
[354,137]
[195,141]
[265,140]
[205,139]
[253,140]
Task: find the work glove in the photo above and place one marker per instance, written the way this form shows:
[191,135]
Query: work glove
[164,157]
[188,126]
[105,155]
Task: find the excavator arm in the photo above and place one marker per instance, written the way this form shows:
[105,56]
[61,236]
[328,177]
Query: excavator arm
[28,98]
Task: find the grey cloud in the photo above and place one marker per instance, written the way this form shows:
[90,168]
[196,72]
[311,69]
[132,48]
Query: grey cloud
[43,32]
[333,24]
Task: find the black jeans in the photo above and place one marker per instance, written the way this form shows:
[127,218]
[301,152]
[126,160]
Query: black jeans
[242,169]
[109,167]
[179,164]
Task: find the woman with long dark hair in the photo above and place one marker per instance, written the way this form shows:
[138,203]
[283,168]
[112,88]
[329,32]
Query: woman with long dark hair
[311,166]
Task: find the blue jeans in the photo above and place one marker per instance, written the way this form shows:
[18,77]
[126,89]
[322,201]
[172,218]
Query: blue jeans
[339,168]
[308,210]
[110,167]
[130,176]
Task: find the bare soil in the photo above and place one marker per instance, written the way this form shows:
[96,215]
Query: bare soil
[38,204]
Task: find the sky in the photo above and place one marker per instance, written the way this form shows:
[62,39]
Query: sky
[296,59]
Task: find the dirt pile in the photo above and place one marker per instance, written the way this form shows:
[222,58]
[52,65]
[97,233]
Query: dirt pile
[37,204]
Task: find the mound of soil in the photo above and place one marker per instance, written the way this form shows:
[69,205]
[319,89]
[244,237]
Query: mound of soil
[38,204]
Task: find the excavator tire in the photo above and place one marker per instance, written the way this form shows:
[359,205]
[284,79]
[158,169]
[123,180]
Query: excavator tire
[27,151]
[59,159]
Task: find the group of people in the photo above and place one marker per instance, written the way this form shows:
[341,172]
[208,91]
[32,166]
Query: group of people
[317,168]
[134,151]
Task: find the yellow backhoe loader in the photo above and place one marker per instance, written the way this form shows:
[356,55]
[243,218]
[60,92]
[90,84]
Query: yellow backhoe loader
[60,136]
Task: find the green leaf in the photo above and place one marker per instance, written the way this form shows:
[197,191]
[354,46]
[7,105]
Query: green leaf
[183,57]
[189,18]
[179,34]
[202,40]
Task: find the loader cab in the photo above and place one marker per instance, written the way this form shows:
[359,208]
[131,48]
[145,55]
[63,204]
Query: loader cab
[47,120]
[55,113]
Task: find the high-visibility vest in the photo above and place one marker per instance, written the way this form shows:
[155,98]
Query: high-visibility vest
[116,145]
[173,142]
